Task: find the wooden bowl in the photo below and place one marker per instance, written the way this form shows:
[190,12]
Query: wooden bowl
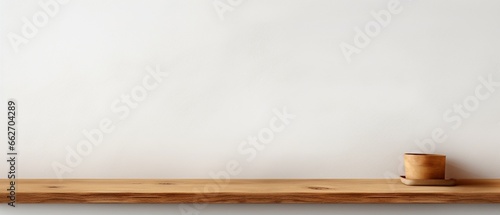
[425,166]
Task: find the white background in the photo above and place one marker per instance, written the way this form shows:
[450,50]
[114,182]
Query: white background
[226,76]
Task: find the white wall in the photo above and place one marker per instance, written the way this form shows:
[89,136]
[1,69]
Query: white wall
[416,85]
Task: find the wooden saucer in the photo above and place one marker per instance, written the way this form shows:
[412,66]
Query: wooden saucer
[428,182]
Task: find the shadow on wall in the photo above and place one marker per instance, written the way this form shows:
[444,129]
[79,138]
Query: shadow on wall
[457,169]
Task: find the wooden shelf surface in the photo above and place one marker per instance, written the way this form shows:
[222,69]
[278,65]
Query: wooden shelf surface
[247,191]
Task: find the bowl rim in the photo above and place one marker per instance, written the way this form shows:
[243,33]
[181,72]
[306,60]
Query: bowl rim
[423,154]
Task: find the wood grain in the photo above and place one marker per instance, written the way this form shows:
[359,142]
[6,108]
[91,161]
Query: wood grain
[247,191]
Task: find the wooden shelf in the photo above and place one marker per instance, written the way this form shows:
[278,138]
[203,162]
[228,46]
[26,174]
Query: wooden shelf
[247,191]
